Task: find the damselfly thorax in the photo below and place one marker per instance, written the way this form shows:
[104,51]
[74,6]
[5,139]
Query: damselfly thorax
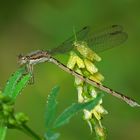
[33,58]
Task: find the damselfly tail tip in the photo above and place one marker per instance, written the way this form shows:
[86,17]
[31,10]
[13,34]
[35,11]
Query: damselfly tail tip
[137,105]
[134,104]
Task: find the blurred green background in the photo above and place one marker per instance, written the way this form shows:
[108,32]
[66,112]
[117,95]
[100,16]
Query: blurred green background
[29,25]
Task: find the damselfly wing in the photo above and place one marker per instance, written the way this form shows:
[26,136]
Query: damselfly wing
[98,41]
[67,46]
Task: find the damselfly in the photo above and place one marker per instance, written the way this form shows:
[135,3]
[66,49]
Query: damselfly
[100,41]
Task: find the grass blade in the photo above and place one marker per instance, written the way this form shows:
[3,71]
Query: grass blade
[51,107]
[75,108]
[52,136]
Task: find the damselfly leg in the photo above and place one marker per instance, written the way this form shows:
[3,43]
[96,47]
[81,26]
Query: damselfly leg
[29,69]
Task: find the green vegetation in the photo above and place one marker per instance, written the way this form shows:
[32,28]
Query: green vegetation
[11,120]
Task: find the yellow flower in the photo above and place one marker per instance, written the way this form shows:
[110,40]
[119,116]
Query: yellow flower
[93,93]
[85,51]
[80,62]
[100,131]
[73,60]
[90,66]
[94,79]
[99,111]
[97,115]
[78,81]
[84,65]
[80,96]
[99,76]
[87,114]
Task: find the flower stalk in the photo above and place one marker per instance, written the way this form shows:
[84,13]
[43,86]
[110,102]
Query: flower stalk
[83,63]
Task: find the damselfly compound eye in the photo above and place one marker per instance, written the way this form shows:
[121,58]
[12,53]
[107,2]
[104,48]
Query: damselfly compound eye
[22,59]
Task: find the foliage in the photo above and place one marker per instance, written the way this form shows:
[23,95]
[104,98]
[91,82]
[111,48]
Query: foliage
[11,120]
[13,88]
[52,124]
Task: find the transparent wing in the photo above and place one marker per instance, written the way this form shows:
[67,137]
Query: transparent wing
[106,38]
[98,41]
[67,46]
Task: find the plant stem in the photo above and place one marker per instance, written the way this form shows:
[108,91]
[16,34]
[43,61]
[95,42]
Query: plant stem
[3,130]
[30,132]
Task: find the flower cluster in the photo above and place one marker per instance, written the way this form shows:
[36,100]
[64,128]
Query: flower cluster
[7,113]
[83,63]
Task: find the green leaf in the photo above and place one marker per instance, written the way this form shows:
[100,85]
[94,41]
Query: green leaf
[20,85]
[51,136]
[16,83]
[3,130]
[13,87]
[11,83]
[91,104]
[51,107]
[75,108]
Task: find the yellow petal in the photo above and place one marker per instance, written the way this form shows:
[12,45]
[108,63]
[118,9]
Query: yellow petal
[100,131]
[85,51]
[100,109]
[75,59]
[93,93]
[87,114]
[78,81]
[90,66]
[94,79]
[80,62]
[80,91]
[99,76]
[97,115]
[96,57]
[72,60]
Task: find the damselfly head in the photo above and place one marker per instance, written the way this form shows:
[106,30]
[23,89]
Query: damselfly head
[22,59]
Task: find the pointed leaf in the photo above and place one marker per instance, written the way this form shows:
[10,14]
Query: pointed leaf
[51,136]
[11,83]
[20,85]
[13,87]
[73,109]
[51,107]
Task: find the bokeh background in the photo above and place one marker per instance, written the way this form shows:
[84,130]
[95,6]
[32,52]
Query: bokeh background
[28,25]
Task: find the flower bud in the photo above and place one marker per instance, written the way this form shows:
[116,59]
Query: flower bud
[100,131]
[99,76]
[87,114]
[73,60]
[85,51]
[78,81]
[93,92]
[101,110]
[80,96]
[90,66]
[94,79]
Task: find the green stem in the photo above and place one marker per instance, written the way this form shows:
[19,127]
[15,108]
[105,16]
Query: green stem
[3,130]
[100,132]
[30,132]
